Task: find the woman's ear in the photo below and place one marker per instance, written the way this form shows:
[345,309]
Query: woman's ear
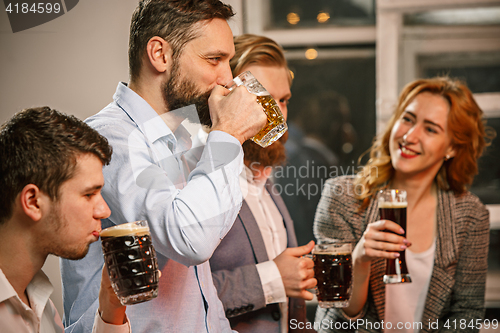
[159,53]
[32,201]
[450,153]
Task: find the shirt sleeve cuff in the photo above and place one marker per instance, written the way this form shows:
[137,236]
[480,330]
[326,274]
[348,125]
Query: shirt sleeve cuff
[272,283]
[220,136]
[102,327]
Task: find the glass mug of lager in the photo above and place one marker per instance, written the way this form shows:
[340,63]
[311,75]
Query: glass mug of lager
[392,206]
[276,124]
[130,259]
[333,271]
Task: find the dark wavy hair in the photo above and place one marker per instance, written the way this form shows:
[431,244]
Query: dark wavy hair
[173,20]
[40,146]
[469,137]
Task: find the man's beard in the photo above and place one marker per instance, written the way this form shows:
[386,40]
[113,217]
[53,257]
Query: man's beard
[271,156]
[179,93]
[57,224]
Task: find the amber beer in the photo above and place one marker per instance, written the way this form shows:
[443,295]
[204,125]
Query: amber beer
[131,261]
[392,206]
[333,271]
[276,124]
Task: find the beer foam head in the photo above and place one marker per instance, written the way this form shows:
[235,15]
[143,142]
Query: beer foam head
[332,253]
[125,230]
[333,248]
[388,204]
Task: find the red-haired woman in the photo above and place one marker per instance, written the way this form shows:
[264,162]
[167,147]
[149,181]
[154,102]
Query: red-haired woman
[430,149]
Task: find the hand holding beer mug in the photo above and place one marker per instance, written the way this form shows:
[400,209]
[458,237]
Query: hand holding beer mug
[333,271]
[130,259]
[392,206]
[276,124]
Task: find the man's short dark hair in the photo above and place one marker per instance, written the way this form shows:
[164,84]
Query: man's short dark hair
[173,20]
[40,146]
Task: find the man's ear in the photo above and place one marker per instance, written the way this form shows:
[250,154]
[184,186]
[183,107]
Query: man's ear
[32,201]
[159,53]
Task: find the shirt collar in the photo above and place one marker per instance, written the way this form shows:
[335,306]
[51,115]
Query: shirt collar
[39,290]
[149,122]
[6,289]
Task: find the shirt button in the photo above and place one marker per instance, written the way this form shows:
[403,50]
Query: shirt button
[270,299]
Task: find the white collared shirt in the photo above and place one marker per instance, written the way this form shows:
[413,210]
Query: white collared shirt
[189,208]
[272,229]
[42,316]
[414,294]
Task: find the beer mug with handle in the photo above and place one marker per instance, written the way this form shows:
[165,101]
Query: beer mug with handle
[131,261]
[276,125]
[333,271]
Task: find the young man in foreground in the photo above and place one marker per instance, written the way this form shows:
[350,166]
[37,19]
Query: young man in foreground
[51,167]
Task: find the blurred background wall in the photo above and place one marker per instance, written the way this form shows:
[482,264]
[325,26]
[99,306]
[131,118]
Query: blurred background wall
[72,64]
[350,58]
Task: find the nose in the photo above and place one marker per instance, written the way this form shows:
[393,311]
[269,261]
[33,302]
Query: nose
[284,109]
[412,135]
[224,76]
[101,210]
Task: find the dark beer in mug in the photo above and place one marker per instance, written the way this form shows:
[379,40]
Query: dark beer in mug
[333,271]
[131,261]
[393,208]
[334,275]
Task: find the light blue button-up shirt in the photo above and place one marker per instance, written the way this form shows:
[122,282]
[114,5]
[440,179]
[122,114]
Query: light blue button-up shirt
[189,208]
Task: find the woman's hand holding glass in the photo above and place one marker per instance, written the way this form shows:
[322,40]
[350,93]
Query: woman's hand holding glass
[381,239]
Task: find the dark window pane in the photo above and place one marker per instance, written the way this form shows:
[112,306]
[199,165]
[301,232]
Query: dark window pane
[335,101]
[481,71]
[480,79]
[487,183]
[331,119]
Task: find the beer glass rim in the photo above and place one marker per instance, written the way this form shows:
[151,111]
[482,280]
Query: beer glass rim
[393,194]
[335,241]
[335,246]
[398,190]
[237,80]
[129,226]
